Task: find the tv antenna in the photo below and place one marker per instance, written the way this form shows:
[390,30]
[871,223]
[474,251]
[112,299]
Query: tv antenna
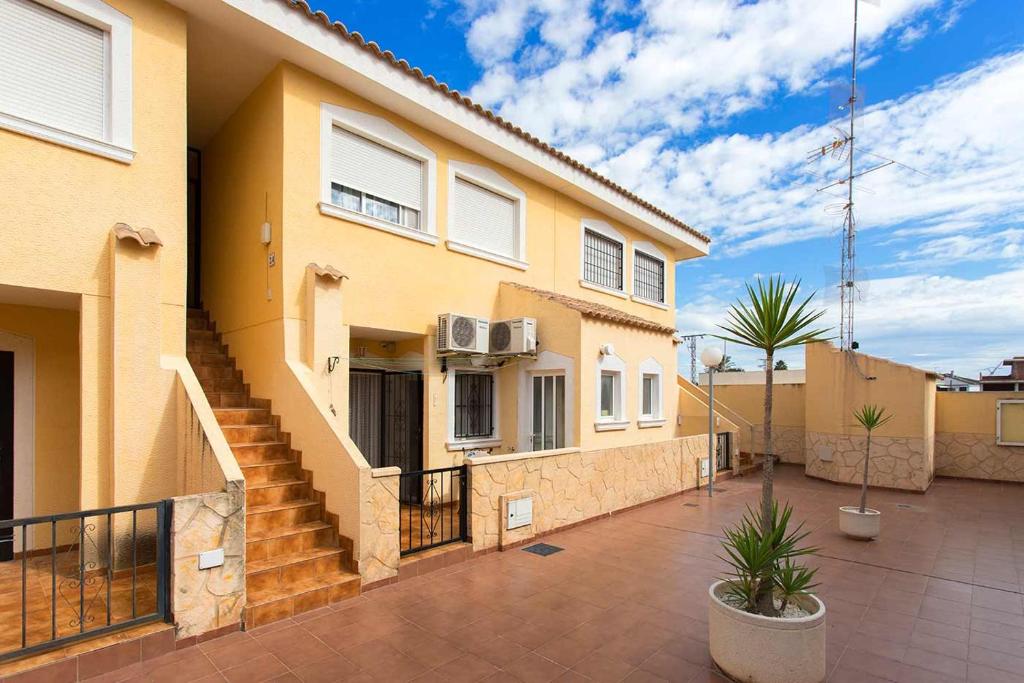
[691,344]
[841,149]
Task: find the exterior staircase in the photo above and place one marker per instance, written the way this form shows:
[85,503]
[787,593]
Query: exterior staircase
[295,559]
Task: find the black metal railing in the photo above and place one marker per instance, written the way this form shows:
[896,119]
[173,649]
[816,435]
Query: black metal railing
[83,574]
[433,508]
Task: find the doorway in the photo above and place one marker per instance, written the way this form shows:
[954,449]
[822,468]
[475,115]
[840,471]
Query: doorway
[6,452]
[194,219]
[385,417]
[723,451]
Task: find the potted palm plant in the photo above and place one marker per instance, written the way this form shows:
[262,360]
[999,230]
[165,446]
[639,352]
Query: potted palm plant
[764,624]
[861,521]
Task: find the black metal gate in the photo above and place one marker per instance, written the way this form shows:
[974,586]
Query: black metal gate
[83,574]
[386,417]
[433,508]
[723,451]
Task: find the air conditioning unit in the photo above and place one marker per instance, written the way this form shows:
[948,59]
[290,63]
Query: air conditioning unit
[461,334]
[514,336]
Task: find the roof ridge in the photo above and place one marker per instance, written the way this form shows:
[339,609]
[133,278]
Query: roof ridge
[403,65]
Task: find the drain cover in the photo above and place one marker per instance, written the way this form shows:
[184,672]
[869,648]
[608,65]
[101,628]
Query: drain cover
[543,549]
[721,489]
[690,505]
[904,506]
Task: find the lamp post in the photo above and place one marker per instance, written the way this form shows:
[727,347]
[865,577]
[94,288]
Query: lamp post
[711,357]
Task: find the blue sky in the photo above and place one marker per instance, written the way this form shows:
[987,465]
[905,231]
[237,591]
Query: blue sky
[708,108]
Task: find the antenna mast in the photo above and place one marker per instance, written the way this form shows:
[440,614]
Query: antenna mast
[848,270]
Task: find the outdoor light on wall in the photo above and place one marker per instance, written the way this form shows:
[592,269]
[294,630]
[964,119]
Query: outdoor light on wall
[607,349]
[711,357]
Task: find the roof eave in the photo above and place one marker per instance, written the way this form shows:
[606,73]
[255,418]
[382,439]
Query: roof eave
[311,43]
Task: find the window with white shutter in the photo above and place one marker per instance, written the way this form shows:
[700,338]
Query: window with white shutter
[375,180]
[374,173]
[486,215]
[66,77]
[484,219]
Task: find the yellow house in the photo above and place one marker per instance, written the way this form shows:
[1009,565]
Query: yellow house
[247,254]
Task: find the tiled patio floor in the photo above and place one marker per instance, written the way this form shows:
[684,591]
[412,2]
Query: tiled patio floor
[937,599]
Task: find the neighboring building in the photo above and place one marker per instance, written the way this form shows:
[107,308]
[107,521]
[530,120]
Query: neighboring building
[933,431]
[1008,377]
[952,382]
[231,230]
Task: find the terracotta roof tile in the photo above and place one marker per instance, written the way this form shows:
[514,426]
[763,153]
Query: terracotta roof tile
[590,309]
[402,65]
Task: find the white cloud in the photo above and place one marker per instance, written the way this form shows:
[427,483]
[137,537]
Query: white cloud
[683,64]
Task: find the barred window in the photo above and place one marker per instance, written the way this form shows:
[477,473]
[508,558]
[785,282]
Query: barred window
[474,401]
[602,260]
[648,277]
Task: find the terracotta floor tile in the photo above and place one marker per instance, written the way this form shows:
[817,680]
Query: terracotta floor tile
[533,667]
[465,669]
[264,667]
[337,668]
[600,667]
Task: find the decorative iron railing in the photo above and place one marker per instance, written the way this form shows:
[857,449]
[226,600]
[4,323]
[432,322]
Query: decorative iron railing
[83,574]
[433,508]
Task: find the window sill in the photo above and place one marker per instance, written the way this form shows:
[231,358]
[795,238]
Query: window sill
[335,211]
[469,250]
[649,302]
[600,288]
[647,423]
[610,425]
[470,444]
[66,138]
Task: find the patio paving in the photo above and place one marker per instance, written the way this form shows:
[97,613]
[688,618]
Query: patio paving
[938,598]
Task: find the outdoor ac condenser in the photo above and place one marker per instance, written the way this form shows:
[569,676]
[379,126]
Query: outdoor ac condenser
[462,334]
[515,336]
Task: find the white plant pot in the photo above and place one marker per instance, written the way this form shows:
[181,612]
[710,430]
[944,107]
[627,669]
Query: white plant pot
[856,524]
[755,649]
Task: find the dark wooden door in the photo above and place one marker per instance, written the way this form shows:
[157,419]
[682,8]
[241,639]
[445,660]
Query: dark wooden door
[6,452]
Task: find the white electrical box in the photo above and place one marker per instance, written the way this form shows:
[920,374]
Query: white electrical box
[211,558]
[704,470]
[520,513]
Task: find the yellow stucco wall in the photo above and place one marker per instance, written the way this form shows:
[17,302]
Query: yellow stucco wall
[748,401]
[972,412]
[268,154]
[839,383]
[395,302]
[54,334]
[57,209]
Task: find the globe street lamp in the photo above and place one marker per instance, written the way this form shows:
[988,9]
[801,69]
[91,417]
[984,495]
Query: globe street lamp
[711,357]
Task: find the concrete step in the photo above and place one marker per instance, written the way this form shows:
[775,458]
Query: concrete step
[269,605]
[243,416]
[273,492]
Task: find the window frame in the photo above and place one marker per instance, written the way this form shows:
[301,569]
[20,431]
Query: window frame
[492,181]
[652,252]
[382,132]
[607,231]
[117,142]
[458,443]
[651,368]
[558,430]
[614,366]
[999,421]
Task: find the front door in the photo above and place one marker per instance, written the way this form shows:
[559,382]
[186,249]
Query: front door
[6,452]
[548,412]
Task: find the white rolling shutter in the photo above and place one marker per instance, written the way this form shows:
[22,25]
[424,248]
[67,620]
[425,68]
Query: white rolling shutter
[483,219]
[376,170]
[52,69]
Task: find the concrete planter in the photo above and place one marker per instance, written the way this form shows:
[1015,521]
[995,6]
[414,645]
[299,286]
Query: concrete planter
[756,649]
[856,524]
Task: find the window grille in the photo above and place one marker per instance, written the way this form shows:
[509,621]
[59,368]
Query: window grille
[602,260]
[474,405]
[648,277]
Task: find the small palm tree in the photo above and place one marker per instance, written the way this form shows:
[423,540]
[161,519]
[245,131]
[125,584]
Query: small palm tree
[771,320]
[870,417]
